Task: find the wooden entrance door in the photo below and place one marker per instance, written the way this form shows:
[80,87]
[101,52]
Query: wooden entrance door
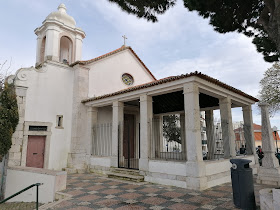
[35,151]
[127,154]
[128,136]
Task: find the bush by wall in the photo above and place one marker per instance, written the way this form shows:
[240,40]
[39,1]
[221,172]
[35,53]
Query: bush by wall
[8,117]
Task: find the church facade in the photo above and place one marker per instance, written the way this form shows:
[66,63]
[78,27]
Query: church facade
[72,118]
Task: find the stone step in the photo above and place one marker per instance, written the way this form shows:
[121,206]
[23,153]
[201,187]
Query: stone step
[129,177]
[125,171]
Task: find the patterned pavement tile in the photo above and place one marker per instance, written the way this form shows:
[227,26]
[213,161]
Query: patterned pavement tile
[149,190]
[89,198]
[200,199]
[172,194]
[130,195]
[154,201]
[76,192]
[96,187]
[131,190]
[131,201]
[111,191]
[131,207]
[81,208]
[210,207]
[152,194]
[157,207]
[181,206]
[177,200]
[92,191]
[107,202]
[130,186]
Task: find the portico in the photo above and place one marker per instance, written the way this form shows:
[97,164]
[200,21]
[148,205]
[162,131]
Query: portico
[185,96]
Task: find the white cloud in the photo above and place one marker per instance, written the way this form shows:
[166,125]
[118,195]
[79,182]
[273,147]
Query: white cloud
[175,24]
[227,60]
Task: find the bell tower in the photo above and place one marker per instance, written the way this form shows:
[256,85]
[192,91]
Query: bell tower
[58,39]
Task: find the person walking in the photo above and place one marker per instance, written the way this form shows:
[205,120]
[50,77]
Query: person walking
[260,154]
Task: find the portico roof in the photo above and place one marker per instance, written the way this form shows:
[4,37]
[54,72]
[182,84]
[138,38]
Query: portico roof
[170,79]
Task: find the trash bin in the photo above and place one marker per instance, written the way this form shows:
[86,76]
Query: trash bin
[242,184]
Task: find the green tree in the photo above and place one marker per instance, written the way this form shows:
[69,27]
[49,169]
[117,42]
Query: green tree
[270,88]
[8,117]
[259,19]
[171,128]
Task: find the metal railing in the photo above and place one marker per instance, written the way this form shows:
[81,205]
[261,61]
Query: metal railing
[167,138]
[27,188]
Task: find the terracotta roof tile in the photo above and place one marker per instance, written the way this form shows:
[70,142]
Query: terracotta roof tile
[170,79]
[112,53]
[258,136]
[257,127]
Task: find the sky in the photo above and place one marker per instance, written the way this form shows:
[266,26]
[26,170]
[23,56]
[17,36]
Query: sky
[179,43]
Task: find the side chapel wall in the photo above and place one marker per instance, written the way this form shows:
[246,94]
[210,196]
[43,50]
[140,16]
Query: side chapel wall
[48,94]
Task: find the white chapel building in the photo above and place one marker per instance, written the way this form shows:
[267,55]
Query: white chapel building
[72,119]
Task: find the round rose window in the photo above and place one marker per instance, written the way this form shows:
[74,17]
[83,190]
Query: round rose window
[127,79]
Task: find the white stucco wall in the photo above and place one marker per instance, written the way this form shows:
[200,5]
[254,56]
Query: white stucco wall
[104,115]
[105,75]
[52,181]
[49,93]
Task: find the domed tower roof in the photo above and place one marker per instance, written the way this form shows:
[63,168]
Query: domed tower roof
[61,16]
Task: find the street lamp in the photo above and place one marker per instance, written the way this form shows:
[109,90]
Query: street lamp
[275,132]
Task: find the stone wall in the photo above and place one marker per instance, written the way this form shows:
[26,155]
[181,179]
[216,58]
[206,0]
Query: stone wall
[17,138]
[2,178]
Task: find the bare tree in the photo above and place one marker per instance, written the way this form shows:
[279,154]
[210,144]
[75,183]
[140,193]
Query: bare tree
[270,88]
[5,70]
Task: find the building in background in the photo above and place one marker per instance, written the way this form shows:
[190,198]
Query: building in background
[240,140]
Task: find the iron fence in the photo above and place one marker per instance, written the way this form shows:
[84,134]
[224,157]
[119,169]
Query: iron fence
[102,139]
[167,138]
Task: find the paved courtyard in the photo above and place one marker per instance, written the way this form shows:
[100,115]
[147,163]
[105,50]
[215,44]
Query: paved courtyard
[91,191]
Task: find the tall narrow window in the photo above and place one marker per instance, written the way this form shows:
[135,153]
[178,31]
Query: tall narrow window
[65,50]
[59,121]
[42,50]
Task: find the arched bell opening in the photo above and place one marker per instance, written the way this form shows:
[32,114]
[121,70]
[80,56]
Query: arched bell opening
[42,50]
[66,47]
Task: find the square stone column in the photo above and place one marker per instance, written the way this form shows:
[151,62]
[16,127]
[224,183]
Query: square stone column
[209,118]
[52,44]
[116,128]
[192,123]
[92,122]
[249,130]
[269,172]
[227,128]
[195,172]
[268,146]
[146,115]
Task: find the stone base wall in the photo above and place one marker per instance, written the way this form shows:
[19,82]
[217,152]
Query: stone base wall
[100,165]
[166,179]
[270,199]
[179,174]
[269,176]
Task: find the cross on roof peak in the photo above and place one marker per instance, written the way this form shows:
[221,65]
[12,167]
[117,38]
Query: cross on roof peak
[124,38]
